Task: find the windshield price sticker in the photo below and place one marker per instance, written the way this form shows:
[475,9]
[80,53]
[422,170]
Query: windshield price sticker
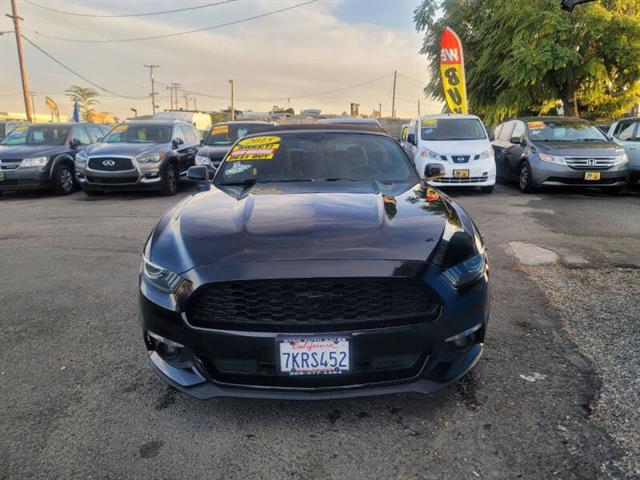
[237,168]
[256,148]
[20,129]
[120,129]
[535,125]
[220,130]
[429,123]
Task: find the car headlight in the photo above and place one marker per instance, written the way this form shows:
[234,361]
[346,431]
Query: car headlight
[621,159]
[203,160]
[150,158]
[461,255]
[429,154]
[34,162]
[487,154]
[552,159]
[81,157]
[159,277]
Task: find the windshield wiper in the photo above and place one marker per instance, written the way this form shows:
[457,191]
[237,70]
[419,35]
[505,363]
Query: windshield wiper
[338,179]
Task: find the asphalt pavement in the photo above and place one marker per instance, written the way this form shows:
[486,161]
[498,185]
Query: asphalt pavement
[554,396]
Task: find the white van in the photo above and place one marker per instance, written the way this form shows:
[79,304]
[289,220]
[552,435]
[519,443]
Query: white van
[460,144]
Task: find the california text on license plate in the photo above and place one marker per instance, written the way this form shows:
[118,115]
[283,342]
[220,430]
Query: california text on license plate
[461,173]
[592,175]
[314,355]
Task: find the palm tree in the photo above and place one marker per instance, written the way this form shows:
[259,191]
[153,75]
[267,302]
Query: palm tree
[86,98]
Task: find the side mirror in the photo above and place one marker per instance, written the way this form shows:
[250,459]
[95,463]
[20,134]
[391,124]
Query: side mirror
[492,137]
[517,140]
[411,138]
[434,170]
[198,173]
[74,143]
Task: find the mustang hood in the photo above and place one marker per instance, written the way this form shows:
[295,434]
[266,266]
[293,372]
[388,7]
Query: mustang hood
[298,221]
[11,152]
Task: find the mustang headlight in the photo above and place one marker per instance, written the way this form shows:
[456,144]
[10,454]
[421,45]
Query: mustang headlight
[552,159]
[621,159]
[34,162]
[159,277]
[150,158]
[467,272]
[203,160]
[487,154]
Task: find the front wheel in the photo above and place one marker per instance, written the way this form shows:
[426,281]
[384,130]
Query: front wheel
[525,180]
[63,180]
[170,186]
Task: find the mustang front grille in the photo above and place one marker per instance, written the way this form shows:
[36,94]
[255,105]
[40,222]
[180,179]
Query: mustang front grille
[312,304]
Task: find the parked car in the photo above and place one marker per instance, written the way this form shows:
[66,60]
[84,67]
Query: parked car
[316,265]
[458,143]
[559,151]
[142,155]
[7,125]
[626,133]
[200,120]
[38,156]
[222,136]
[357,121]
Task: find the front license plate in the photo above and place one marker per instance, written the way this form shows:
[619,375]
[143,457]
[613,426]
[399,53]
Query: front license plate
[2,176]
[461,173]
[592,176]
[314,355]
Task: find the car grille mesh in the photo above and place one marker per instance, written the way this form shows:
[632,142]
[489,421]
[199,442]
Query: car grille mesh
[312,305]
[590,163]
[110,164]
[461,180]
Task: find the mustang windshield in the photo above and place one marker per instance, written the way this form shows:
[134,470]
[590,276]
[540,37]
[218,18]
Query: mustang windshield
[139,134]
[315,156]
[225,134]
[37,135]
[563,131]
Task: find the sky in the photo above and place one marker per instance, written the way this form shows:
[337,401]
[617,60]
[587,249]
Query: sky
[287,59]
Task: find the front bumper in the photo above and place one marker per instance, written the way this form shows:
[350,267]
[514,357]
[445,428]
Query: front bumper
[550,174]
[481,173]
[32,178]
[141,177]
[407,358]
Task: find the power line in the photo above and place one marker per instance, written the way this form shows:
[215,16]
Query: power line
[146,14]
[82,77]
[417,82]
[176,34]
[343,88]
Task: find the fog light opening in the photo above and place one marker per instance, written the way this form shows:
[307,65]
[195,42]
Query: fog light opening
[172,352]
[464,339]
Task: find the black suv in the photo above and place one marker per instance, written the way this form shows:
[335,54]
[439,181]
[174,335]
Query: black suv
[41,155]
[145,155]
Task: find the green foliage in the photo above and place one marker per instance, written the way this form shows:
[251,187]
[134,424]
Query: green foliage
[526,56]
[277,109]
[86,98]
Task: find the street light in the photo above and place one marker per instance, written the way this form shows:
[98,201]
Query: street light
[135,112]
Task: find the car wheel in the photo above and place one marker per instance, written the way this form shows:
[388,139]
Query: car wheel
[488,189]
[170,186]
[63,180]
[525,180]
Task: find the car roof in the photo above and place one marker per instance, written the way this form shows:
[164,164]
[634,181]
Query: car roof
[324,128]
[550,118]
[358,120]
[167,122]
[245,122]
[441,116]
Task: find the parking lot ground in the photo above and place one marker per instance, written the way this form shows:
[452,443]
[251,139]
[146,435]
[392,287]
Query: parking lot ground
[555,395]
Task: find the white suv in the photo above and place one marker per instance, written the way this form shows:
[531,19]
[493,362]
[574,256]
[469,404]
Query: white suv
[458,143]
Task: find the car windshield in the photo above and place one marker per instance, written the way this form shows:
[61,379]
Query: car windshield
[452,129]
[315,156]
[563,131]
[37,135]
[225,134]
[140,134]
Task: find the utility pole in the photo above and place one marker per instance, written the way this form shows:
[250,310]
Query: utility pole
[393,100]
[17,28]
[153,86]
[380,109]
[186,101]
[233,101]
[170,88]
[33,105]
[174,95]
[418,107]
[194,104]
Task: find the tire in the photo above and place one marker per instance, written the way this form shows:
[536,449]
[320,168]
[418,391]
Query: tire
[93,193]
[63,183]
[488,189]
[525,182]
[170,184]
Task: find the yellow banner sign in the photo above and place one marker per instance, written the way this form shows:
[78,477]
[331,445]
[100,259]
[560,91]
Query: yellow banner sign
[452,72]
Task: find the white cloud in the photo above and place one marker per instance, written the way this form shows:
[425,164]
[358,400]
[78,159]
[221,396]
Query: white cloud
[301,51]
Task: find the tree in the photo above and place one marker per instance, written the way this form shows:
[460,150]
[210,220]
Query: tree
[277,109]
[86,98]
[526,56]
